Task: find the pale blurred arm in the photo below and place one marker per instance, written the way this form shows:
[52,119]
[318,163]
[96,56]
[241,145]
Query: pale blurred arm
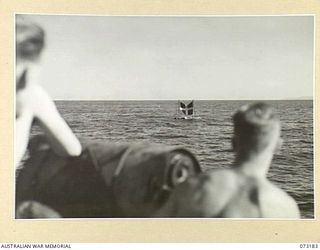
[60,136]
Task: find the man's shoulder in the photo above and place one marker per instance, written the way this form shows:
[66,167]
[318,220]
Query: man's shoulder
[275,202]
[206,194]
[220,173]
[217,182]
[225,177]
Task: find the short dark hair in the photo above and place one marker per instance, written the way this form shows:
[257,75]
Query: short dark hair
[254,124]
[29,39]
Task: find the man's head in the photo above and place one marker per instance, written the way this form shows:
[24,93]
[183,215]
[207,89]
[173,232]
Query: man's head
[29,45]
[29,39]
[256,128]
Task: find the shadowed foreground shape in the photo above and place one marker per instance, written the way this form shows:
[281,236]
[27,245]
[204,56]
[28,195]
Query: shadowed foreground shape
[106,180]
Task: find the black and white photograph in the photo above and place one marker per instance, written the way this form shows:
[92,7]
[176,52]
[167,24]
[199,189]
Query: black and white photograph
[164,117]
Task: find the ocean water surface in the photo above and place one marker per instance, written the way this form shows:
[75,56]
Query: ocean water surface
[209,138]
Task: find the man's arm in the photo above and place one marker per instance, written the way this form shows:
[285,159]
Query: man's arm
[60,136]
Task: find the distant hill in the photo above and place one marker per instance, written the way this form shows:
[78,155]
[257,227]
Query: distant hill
[301,98]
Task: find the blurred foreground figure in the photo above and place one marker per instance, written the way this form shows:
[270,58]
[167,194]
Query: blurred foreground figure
[32,101]
[242,191]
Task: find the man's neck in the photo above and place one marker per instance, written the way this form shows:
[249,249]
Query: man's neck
[254,164]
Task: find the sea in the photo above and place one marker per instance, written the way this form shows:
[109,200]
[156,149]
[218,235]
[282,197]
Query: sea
[209,138]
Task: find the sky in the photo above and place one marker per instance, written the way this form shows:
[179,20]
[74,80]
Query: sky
[172,57]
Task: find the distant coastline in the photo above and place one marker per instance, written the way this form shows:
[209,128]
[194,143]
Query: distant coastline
[303,98]
[306,98]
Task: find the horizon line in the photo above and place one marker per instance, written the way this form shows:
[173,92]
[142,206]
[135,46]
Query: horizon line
[284,99]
